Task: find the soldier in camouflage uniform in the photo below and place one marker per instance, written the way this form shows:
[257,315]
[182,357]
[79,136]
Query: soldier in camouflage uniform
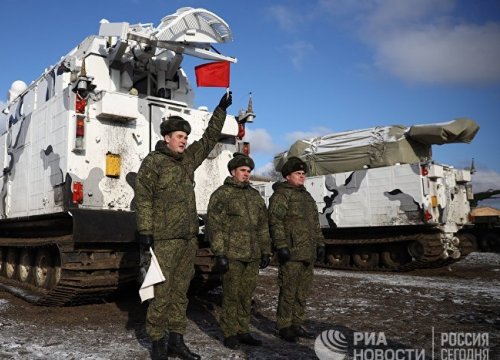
[167,218]
[298,241]
[238,230]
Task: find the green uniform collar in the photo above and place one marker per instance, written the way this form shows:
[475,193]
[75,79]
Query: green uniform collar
[284,185]
[232,182]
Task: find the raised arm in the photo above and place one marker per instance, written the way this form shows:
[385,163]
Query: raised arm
[200,149]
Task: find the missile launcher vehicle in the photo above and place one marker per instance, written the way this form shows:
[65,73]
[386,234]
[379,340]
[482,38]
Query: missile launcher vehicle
[383,203]
[74,140]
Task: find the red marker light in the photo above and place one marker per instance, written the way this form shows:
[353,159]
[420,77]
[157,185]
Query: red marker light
[246,148]
[80,127]
[77,196]
[241,130]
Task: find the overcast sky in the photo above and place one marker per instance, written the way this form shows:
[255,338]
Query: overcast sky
[314,67]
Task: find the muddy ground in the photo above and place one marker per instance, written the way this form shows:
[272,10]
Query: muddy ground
[403,311]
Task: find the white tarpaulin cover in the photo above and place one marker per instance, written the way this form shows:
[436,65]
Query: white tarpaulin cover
[376,147]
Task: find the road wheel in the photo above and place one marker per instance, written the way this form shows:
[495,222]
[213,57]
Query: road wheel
[10,263]
[394,258]
[2,260]
[44,269]
[338,258]
[365,259]
[472,241]
[416,250]
[491,241]
[468,244]
[25,265]
[57,270]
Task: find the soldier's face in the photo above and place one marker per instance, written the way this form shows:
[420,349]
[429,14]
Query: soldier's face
[241,174]
[296,178]
[176,141]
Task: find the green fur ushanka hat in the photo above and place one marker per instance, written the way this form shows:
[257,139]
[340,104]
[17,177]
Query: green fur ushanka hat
[293,164]
[240,159]
[174,123]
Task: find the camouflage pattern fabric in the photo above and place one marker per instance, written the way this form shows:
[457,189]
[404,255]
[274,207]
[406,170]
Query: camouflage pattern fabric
[237,227]
[166,208]
[294,280]
[294,222]
[237,223]
[238,287]
[164,193]
[167,310]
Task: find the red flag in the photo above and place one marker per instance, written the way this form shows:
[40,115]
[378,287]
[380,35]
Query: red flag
[214,74]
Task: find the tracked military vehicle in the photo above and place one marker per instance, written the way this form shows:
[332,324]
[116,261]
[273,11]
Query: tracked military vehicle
[484,229]
[74,140]
[383,203]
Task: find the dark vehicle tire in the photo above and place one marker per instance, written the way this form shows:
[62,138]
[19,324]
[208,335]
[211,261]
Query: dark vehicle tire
[366,259]
[338,258]
[491,241]
[393,259]
[10,263]
[2,260]
[416,250]
[43,269]
[25,265]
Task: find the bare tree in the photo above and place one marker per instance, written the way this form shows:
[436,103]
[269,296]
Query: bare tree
[271,175]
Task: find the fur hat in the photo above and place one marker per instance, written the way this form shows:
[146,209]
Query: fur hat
[293,164]
[240,159]
[174,123]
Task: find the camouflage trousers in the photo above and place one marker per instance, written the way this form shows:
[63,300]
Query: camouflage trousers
[167,310]
[238,287]
[294,280]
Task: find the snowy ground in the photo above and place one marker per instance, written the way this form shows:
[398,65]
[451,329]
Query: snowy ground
[405,308]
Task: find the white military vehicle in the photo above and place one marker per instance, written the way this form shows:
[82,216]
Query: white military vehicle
[383,203]
[74,141]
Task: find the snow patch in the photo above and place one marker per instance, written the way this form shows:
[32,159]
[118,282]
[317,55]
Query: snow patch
[478,287]
[4,304]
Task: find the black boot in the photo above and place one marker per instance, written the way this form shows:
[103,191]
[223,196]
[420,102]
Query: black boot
[159,351]
[231,342]
[287,334]
[247,338]
[177,347]
[301,332]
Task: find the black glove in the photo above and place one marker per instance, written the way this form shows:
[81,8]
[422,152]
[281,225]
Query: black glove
[146,241]
[320,254]
[226,101]
[264,261]
[283,255]
[222,264]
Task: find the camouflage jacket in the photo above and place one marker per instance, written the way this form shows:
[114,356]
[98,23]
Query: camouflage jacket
[237,222]
[294,221]
[164,192]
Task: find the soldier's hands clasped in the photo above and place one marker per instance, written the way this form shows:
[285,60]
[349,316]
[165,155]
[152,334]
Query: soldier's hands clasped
[283,255]
[222,264]
[264,261]
[320,254]
[226,101]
